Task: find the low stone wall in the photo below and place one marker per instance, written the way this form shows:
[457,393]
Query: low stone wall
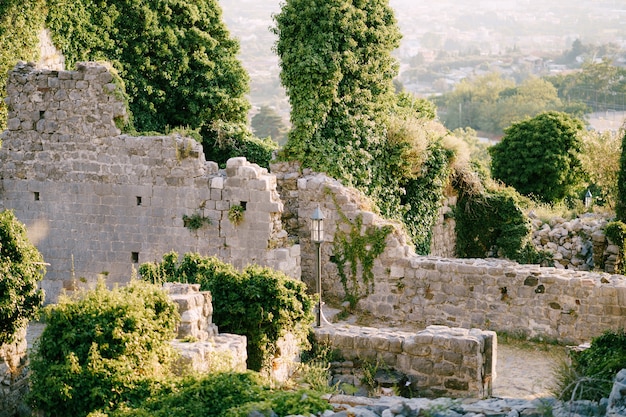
[438,361]
[416,291]
[201,347]
[13,375]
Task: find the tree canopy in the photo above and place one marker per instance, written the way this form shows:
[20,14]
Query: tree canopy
[337,69]
[539,157]
[176,57]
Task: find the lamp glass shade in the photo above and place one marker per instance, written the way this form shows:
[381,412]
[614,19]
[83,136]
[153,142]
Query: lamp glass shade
[317,226]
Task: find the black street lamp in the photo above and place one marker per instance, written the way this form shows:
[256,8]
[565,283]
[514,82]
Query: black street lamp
[317,237]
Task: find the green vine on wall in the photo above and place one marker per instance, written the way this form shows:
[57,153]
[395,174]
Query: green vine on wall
[357,248]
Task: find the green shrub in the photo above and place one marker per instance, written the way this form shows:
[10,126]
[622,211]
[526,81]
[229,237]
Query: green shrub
[285,403]
[102,349]
[260,303]
[207,396]
[21,269]
[592,371]
[491,221]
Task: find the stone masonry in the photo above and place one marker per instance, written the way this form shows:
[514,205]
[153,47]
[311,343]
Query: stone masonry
[438,361]
[202,347]
[99,203]
[417,291]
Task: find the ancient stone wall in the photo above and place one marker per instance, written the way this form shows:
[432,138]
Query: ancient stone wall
[98,203]
[13,376]
[202,347]
[420,291]
[438,361]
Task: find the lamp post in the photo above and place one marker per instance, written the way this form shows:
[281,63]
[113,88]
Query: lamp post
[317,237]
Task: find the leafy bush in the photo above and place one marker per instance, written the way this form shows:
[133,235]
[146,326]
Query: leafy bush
[539,157]
[285,403]
[260,303]
[20,271]
[102,349]
[592,371]
[212,395]
[491,220]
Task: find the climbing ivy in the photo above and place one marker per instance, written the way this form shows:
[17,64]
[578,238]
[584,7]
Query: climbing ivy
[616,232]
[355,251]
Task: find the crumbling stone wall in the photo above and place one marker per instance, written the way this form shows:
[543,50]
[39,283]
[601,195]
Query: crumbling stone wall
[418,291]
[438,361]
[202,347]
[98,203]
[13,376]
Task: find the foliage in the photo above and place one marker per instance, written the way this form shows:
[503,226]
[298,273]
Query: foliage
[235,214]
[355,251]
[21,269]
[620,205]
[490,103]
[598,86]
[592,371]
[195,221]
[285,403]
[177,58]
[539,157]
[211,395]
[260,303]
[268,123]
[103,348]
[20,23]
[423,196]
[490,220]
[600,161]
[337,69]
[228,140]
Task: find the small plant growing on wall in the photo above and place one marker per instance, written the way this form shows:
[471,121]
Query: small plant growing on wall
[235,214]
[616,232]
[195,221]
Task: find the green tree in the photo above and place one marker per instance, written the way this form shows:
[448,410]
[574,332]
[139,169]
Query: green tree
[20,23]
[539,157]
[337,69]
[268,123]
[620,207]
[21,269]
[600,158]
[177,58]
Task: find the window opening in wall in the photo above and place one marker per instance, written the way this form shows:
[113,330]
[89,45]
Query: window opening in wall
[36,195]
[138,200]
[134,257]
[41,114]
[243,205]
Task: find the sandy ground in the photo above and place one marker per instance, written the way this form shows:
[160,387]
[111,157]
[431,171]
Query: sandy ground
[522,370]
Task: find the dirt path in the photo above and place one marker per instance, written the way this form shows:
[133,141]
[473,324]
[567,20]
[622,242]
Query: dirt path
[526,371]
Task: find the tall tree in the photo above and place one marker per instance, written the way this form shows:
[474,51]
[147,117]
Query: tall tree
[337,68]
[177,57]
[539,157]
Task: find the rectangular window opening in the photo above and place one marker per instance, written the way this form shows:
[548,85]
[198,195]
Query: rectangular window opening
[134,257]
[138,200]
[243,205]
[36,195]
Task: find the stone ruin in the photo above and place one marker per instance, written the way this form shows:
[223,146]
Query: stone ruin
[97,203]
[202,347]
